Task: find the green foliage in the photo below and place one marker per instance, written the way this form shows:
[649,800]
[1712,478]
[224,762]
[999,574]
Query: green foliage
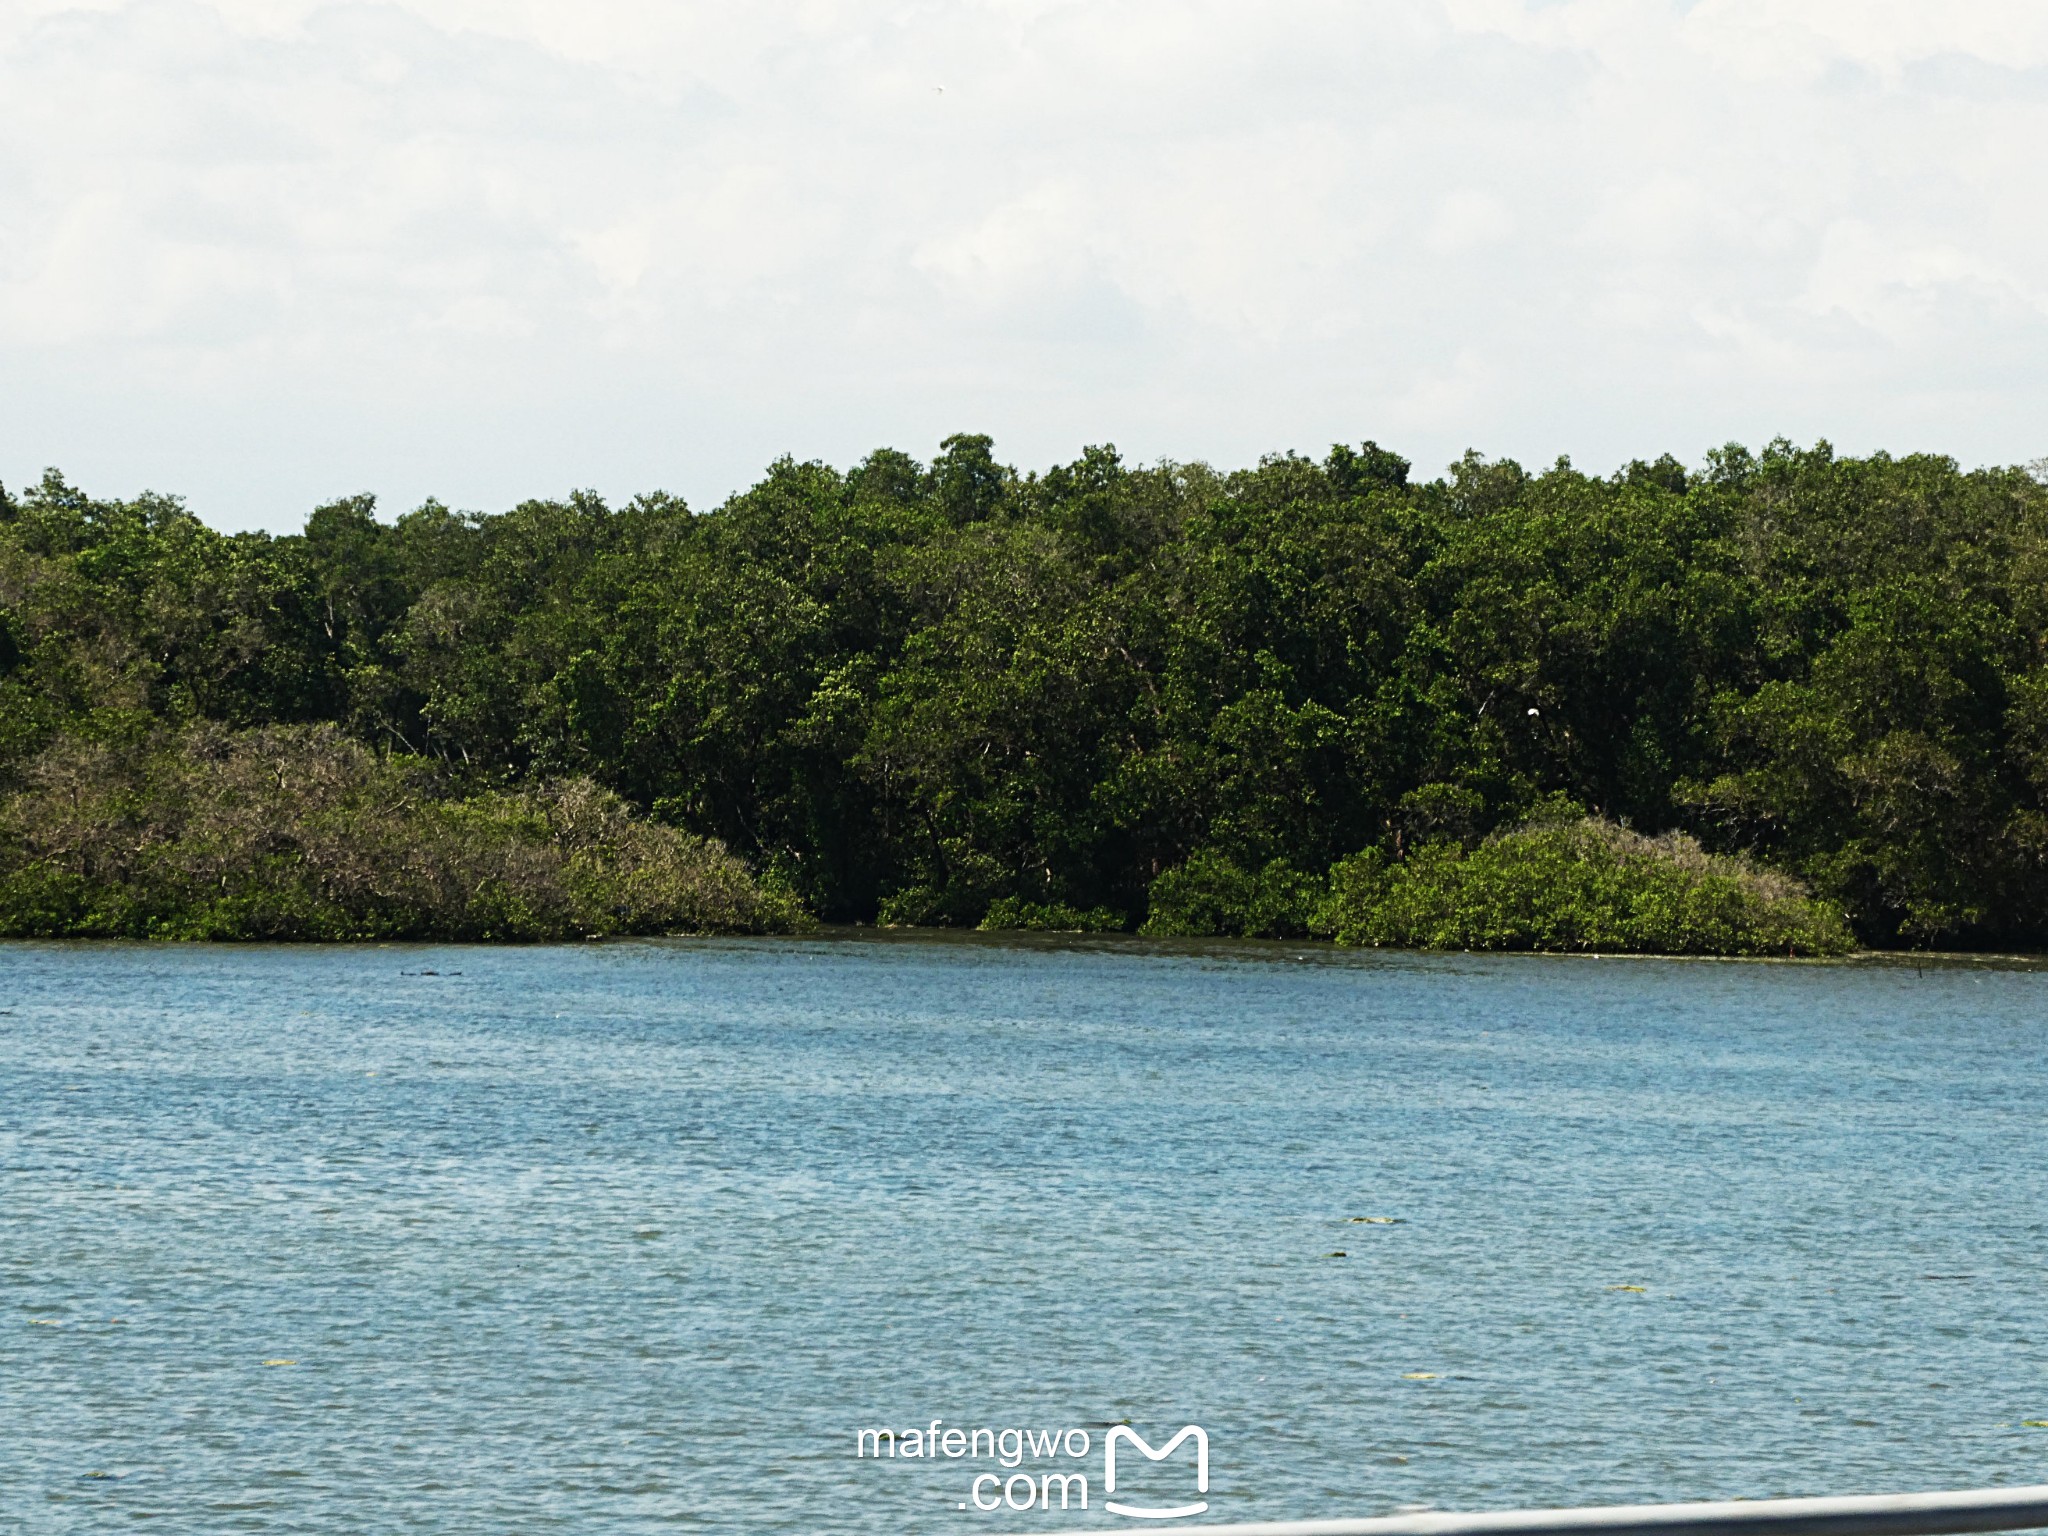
[1577,885]
[914,693]
[300,833]
[1211,895]
[1048,917]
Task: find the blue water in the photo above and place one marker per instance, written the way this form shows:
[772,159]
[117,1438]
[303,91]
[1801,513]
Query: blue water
[636,1237]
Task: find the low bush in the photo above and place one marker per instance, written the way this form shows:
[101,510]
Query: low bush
[303,833]
[1210,894]
[1011,912]
[1577,885]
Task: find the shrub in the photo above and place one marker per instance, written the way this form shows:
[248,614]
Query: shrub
[1578,885]
[1011,912]
[1210,894]
[302,833]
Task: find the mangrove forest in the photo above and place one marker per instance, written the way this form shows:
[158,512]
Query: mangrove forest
[1782,702]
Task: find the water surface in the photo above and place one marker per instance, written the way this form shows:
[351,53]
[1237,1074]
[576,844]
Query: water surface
[635,1237]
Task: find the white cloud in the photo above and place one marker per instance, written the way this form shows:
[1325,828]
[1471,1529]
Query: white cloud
[1768,39]
[1466,221]
[265,251]
[1903,291]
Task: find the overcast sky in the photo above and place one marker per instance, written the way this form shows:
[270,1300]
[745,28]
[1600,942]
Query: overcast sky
[262,253]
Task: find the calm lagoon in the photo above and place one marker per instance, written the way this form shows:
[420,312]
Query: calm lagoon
[636,1237]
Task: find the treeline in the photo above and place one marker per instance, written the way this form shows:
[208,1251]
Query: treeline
[1113,695]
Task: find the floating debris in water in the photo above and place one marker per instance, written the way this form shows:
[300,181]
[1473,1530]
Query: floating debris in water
[1337,1253]
[1378,1221]
[1418,1376]
[2034,1423]
[280,1362]
[47,1322]
[1637,1288]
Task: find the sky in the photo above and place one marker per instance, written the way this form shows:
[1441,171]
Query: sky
[265,253]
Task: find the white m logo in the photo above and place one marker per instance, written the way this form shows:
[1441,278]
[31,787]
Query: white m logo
[1125,1432]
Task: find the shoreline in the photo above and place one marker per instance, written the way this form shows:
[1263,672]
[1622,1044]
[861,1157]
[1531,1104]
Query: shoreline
[1028,940]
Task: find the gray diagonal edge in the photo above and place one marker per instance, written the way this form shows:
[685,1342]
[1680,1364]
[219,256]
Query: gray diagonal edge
[1885,1514]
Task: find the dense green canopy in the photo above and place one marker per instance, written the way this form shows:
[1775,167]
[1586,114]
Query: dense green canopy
[919,691]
